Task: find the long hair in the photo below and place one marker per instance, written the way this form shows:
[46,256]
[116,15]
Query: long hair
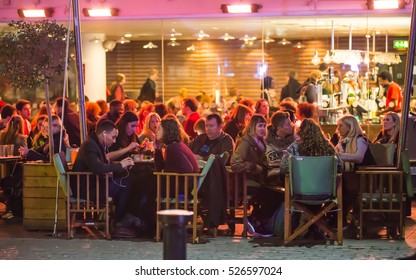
[171,131]
[239,114]
[184,135]
[251,127]
[312,141]
[354,131]
[396,128]
[14,128]
[123,140]
[146,128]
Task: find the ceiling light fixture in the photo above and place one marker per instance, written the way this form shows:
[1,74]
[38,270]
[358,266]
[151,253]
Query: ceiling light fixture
[240,9]
[105,12]
[284,42]
[109,45]
[385,4]
[191,48]
[227,37]
[123,40]
[150,45]
[173,43]
[201,35]
[298,45]
[268,40]
[174,33]
[128,35]
[35,13]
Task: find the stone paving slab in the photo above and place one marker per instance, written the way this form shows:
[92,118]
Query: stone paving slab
[227,248]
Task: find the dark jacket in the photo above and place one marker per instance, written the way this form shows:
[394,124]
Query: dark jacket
[91,158]
[308,90]
[249,157]
[290,89]
[43,154]
[71,124]
[213,193]
[148,91]
[232,129]
[204,147]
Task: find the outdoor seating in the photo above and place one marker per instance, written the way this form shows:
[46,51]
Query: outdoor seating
[93,211]
[313,183]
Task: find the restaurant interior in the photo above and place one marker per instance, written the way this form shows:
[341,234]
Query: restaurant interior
[204,48]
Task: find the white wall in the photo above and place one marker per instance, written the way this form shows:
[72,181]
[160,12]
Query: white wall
[94,59]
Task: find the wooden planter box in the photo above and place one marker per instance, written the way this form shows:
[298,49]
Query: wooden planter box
[39,190]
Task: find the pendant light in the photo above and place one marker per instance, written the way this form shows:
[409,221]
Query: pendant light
[316,60]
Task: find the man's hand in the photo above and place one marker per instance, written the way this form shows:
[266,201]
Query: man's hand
[127,162]
[198,157]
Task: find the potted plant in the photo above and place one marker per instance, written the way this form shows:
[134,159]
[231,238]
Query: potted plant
[32,54]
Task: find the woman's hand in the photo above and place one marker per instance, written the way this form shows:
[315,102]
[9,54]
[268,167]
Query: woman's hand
[133,145]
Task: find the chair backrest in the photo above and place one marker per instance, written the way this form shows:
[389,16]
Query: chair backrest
[383,154]
[224,157]
[205,170]
[312,178]
[61,167]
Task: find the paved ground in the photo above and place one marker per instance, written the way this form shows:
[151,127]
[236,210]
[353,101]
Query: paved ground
[19,244]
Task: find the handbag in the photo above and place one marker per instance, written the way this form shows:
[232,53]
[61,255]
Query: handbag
[383,154]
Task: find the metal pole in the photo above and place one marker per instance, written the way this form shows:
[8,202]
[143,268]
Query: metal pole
[80,70]
[408,85]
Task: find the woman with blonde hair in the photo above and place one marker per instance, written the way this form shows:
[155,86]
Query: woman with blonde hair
[390,129]
[353,150]
[151,124]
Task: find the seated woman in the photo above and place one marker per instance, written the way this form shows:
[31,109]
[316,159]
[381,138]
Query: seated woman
[13,134]
[40,133]
[249,155]
[240,117]
[353,150]
[151,125]
[42,152]
[262,108]
[311,142]
[127,139]
[390,129]
[177,157]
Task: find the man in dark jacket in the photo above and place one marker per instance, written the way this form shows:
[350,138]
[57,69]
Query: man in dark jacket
[148,91]
[214,141]
[289,90]
[70,120]
[92,158]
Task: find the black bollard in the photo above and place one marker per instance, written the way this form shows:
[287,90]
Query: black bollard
[174,223]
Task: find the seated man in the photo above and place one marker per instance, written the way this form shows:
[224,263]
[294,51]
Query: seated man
[92,158]
[214,141]
[280,136]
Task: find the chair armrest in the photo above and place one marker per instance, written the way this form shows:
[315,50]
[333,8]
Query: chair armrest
[176,174]
[86,173]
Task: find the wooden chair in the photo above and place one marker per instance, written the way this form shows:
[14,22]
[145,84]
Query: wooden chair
[313,181]
[237,200]
[382,192]
[190,183]
[91,212]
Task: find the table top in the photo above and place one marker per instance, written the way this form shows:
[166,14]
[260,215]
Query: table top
[7,159]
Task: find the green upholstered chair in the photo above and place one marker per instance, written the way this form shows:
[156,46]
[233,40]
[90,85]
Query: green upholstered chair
[313,181]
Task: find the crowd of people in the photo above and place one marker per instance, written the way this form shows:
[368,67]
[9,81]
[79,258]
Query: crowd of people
[182,131]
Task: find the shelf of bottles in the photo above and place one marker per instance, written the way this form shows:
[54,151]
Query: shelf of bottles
[361,101]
